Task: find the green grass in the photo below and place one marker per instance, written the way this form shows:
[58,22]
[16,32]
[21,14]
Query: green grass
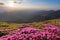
[39,24]
[7,25]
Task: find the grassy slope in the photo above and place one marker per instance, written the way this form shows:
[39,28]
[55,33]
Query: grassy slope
[6,25]
[39,24]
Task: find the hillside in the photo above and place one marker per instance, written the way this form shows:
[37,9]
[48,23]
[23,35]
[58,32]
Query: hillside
[29,15]
[35,30]
[7,25]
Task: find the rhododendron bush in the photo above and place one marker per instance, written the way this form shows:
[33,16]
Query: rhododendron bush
[3,32]
[47,32]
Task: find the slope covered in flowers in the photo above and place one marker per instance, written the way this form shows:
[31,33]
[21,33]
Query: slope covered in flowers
[47,32]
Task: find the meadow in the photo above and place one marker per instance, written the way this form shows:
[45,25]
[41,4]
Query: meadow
[50,28]
[7,25]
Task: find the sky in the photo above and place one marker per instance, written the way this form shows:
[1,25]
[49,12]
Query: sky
[38,4]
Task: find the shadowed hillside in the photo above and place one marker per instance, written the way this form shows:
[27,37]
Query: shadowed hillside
[22,16]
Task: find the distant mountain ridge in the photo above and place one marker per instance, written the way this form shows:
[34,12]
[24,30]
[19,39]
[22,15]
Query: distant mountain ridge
[29,15]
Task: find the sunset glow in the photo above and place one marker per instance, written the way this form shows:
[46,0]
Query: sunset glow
[32,4]
[10,4]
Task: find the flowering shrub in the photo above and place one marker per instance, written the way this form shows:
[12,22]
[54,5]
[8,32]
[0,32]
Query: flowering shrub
[48,32]
[2,33]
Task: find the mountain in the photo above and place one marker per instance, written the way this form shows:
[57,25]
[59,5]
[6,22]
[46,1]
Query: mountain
[28,15]
[54,15]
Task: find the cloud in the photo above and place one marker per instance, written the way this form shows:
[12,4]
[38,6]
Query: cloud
[26,5]
[41,7]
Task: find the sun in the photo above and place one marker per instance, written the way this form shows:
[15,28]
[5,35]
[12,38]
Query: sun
[11,4]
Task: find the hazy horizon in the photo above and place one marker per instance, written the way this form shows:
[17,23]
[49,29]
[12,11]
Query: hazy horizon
[29,10]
